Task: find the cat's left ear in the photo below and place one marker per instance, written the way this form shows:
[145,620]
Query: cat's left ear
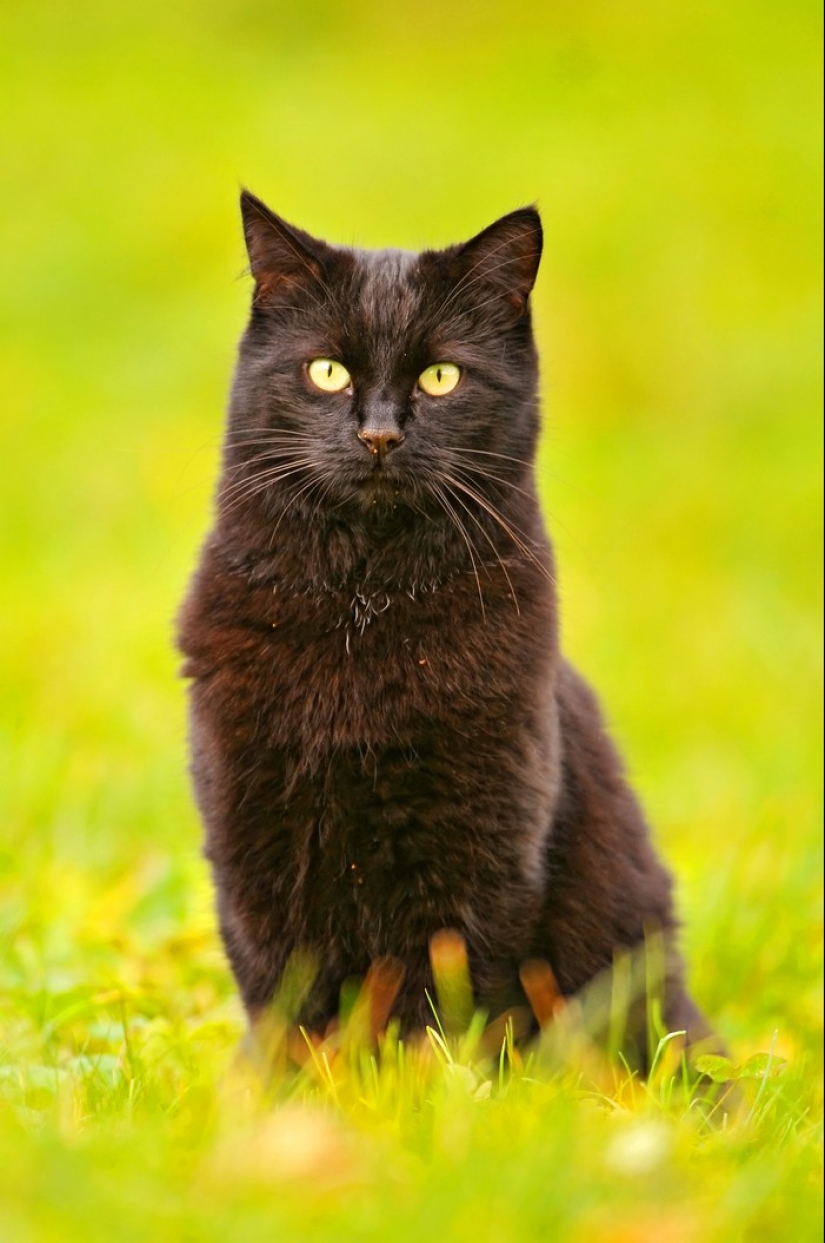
[505,256]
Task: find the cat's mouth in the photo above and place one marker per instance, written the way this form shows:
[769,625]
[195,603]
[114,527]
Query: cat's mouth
[381,488]
[380,483]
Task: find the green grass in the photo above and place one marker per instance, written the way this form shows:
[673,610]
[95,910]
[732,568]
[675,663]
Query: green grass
[673,151]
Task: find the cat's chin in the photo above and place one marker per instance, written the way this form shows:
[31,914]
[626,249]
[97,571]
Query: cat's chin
[379,494]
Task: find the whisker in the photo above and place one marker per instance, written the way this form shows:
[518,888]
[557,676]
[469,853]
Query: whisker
[450,512]
[281,438]
[312,483]
[282,463]
[273,458]
[265,431]
[481,473]
[496,553]
[507,457]
[517,538]
[244,489]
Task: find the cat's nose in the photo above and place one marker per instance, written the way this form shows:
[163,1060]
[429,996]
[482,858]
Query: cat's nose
[379,440]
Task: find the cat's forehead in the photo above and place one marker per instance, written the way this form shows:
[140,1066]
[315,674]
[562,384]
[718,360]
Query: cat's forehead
[390,260]
[387,291]
[385,276]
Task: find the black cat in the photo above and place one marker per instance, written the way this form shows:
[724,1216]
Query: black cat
[386,741]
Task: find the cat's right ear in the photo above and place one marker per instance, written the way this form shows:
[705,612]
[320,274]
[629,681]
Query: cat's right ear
[280,256]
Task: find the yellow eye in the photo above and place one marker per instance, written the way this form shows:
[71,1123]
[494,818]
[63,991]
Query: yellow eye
[439,379]
[328,375]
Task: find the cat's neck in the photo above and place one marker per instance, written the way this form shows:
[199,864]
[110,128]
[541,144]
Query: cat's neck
[400,550]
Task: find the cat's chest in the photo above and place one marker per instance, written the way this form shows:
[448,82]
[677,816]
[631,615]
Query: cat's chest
[367,666]
[355,663]
[317,670]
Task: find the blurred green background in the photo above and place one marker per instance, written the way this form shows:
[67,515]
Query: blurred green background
[674,152]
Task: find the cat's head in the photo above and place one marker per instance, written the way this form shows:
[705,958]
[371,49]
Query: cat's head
[376,381]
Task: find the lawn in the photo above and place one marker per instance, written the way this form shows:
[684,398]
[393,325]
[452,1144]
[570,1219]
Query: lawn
[674,153]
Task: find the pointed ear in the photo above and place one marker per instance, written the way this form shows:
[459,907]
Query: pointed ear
[505,256]
[279,254]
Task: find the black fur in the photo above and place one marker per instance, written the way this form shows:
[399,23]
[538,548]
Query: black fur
[386,741]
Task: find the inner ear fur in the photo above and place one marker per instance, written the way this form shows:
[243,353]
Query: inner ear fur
[279,253]
[506,255]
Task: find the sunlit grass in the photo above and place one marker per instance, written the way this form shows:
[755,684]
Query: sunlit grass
[673,152]
[148,1116]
